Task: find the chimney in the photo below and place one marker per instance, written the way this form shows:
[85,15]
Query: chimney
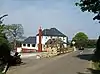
[40,40]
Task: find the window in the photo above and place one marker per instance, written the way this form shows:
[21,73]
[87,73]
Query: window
[28,45]
[33,45]
[60,39]
[46,37]
[51,37]
[24,44]
[63,38]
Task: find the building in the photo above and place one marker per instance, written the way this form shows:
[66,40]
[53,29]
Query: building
[31,44]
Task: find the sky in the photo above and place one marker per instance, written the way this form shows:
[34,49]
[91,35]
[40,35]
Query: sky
[61,14]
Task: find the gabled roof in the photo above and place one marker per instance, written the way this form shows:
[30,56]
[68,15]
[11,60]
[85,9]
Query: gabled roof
[30,40]
[52,32]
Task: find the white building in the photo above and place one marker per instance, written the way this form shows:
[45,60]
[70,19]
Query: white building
[31,43]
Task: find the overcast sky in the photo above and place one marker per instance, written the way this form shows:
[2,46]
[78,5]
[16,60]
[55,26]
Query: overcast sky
[61,14]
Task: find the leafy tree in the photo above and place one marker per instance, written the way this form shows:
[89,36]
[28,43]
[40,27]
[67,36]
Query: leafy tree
[4,47]
[2,28]
[91,43]
[18,44]
[14,32]
[90,6]
[80,38]
[3,39]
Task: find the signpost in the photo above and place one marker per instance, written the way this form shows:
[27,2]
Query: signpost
[73,42]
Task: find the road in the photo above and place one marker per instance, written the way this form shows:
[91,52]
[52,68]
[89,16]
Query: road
[70,63]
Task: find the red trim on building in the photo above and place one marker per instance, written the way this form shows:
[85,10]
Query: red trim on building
[24,50]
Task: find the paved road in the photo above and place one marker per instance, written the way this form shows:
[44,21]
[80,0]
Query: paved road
[64,64]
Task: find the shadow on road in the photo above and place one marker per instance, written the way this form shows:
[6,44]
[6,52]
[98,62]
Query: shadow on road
[85,56]
[80,73]
[92,71]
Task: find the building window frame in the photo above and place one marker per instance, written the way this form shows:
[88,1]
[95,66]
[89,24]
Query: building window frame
[46,37]
[63,38]
[28,45]
[24,44]
[51,37]
[33,45]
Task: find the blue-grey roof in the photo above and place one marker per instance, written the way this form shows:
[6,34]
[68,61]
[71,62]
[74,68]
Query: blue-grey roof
[30,40]
[52,32]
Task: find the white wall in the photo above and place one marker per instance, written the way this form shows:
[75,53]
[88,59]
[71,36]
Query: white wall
[19,49]
[26,47]
[46,38]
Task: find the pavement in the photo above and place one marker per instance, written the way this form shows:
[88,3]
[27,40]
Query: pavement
[73,63]
[27,55]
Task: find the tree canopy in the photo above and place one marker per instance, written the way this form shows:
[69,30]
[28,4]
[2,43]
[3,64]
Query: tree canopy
[4,43]
[80,38]
[90,6]
[14,32]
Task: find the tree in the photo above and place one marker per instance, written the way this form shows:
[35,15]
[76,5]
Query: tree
[91,43]
[90,6]
[3,38]
[80,38]
[4,47]
[14,32]
[4,43]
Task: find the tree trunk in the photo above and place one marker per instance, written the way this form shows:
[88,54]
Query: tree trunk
[14,44]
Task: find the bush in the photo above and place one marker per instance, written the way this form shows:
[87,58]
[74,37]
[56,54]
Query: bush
[4,48]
